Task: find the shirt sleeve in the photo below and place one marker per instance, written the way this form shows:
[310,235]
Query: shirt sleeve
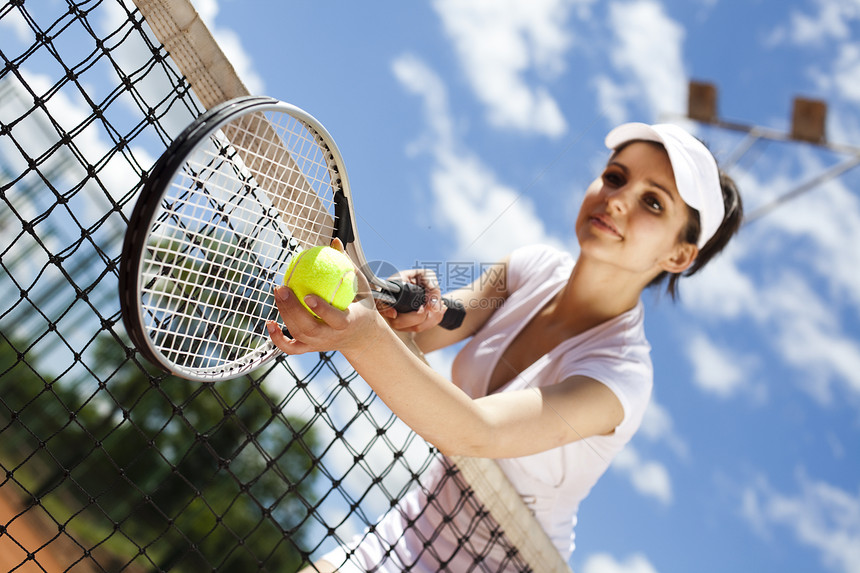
[623,364]
[531,264]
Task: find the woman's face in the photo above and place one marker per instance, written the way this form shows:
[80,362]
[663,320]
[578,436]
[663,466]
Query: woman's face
[632,215]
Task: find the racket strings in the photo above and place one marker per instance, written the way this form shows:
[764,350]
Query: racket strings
[217,236]
[288,161]
[235,213]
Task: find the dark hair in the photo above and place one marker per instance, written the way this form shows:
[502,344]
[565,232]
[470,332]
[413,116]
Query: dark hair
[731,224]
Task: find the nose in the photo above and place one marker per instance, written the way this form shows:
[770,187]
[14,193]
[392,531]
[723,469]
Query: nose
[617,199]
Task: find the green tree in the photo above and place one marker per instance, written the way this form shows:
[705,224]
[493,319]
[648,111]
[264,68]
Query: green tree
[179,476]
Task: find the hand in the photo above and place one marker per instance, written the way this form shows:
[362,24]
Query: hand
[428,315]
[336,329]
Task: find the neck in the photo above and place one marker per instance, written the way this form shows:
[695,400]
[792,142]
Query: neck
[596,292]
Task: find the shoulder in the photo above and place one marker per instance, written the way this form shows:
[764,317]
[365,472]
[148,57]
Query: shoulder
[618,355]
[536,263]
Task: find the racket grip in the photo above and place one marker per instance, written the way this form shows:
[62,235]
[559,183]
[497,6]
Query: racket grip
[409,297]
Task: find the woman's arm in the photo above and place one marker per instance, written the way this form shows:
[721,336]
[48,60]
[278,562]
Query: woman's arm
[508,424]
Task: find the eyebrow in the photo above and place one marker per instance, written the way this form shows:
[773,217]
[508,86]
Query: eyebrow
[661,188]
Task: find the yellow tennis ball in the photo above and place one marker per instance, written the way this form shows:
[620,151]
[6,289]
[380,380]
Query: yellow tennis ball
[325,272]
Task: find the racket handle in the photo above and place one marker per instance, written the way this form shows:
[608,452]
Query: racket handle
[408,297]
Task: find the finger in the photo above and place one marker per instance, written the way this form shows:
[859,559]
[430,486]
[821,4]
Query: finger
[363,285]
[406,321]
[385,310]
[417,321]
[307,332]
[296,317]
[286,301]
[427,278]
[437,310]
[283,342]
[332,316]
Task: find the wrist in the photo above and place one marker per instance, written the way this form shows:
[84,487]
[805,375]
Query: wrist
[369,330]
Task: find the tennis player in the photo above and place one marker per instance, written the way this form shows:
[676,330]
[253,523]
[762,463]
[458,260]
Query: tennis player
[556,375]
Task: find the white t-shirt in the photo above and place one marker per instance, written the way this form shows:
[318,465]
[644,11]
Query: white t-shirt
[552,483]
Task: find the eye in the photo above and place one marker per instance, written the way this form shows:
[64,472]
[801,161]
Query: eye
[614,178]
[653,202]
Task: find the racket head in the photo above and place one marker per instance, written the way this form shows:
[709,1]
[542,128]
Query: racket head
[237,194]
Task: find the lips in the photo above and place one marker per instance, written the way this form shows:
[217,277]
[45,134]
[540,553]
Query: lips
[604,222]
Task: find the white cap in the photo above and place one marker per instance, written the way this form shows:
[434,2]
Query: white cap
[696,174]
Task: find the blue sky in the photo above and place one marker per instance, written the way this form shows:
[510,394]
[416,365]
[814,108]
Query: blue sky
[471,127]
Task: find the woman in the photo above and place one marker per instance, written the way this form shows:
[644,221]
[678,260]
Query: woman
[557,374]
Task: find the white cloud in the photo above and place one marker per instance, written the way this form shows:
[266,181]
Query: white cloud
[657,422]
[829,23]
[793,274]
[658,426]
[487,218]
[837,449]
[804,328]
[797,320]
[846,73]
[716,370]
[605,563]
[509,50]
[132,54]
[809,312]
[821,356]
[417,78]
[820,515]
[828,31]
[722,290]
[649,478]
[35,133]
[17,25]
[647,52]
[611,98]
[827,219]
[231,45]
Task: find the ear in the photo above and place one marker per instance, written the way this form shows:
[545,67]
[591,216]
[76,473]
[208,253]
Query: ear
[681,259]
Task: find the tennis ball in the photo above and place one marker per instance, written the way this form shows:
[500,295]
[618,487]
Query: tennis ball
[325,272]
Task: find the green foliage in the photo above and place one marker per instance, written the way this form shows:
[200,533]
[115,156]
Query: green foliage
[162,472]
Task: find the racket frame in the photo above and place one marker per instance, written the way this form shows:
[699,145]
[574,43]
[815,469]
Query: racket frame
[157,182]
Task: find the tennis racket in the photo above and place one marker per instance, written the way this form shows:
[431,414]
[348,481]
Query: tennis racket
[241,191]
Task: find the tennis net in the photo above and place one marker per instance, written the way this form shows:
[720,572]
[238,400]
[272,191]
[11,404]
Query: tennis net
[108,464]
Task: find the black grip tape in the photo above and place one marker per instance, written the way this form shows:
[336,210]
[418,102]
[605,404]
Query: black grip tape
[409,297]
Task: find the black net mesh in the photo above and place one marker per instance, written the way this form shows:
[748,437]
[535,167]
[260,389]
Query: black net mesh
[105,463]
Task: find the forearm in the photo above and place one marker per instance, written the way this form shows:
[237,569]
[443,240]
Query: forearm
[431,405]
[437,337]
[501,425]
[425,400]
